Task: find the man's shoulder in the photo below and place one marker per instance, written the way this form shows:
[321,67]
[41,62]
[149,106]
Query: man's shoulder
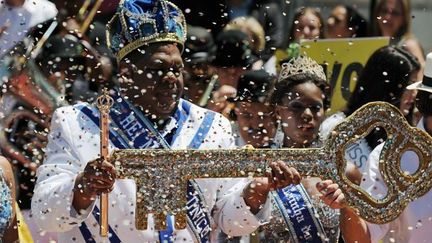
[72,112]
[200,113]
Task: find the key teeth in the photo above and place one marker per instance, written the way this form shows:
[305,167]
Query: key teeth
[180,221]
[141,223]
[160,220]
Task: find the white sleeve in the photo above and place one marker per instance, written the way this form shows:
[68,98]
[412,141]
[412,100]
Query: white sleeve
[228,140]
[52,200]
[230,211]
[232,214]
[373,184]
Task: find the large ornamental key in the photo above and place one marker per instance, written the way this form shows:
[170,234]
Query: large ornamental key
[161,175]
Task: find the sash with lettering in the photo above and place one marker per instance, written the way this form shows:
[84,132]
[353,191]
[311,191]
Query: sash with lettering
[299,214]
[131,129]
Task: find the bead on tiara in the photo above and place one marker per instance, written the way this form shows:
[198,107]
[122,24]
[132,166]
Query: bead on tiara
[301,64]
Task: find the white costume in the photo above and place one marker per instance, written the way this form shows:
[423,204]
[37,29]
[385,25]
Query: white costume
[358,152]
[414,224]
[18,20]
[74,140]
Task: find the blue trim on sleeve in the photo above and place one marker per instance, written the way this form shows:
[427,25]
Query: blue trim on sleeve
[86,234]
[203,130]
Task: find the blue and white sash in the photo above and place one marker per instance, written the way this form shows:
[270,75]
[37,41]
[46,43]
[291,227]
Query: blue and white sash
[299,214]
[131,129]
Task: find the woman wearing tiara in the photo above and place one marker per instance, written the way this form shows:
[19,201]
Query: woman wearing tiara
[300,98]
[8,229]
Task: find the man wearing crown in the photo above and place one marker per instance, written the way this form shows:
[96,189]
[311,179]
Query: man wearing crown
[147,37]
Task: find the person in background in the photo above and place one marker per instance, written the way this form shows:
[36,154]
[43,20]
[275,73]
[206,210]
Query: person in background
[384,78]
[307,24]
[8,222]
[233,58]
[255,118]
[199,75]
[251,27]
[63,63]
[413,224]
[18,17]
[392,18]
[346,22]
[254,30]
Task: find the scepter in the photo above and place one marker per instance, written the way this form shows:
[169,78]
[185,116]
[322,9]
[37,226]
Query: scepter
[104,103]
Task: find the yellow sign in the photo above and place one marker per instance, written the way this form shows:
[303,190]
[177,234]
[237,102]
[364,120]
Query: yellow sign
[343,60]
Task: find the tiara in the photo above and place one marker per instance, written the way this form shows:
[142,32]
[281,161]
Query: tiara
[141,22]
[301,64]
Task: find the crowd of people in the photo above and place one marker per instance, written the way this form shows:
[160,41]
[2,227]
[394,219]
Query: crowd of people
[196,75]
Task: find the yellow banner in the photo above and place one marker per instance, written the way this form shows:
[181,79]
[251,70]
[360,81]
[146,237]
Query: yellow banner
[343,60]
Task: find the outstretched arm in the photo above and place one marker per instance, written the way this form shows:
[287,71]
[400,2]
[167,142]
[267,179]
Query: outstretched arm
[255,194]
[353,228]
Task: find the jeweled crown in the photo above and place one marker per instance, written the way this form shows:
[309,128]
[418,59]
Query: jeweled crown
[141,22]
[301,64]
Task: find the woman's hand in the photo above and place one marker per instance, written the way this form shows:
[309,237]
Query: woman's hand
[331,194]
[280,176]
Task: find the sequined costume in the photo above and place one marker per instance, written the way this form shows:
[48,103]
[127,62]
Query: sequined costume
[5,205]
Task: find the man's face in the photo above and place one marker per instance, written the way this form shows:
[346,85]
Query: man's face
[229,75]
[156,80]
[257,123]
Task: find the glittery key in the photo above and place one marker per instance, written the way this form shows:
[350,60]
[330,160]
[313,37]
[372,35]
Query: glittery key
[161,175]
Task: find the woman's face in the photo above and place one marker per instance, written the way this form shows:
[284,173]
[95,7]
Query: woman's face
[301,112]
[337,25]
[408,96]
[307,27]
[390,17]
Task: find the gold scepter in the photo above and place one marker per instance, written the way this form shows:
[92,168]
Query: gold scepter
[104,103]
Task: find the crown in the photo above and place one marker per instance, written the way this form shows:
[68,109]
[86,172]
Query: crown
[141,22]
[301,64]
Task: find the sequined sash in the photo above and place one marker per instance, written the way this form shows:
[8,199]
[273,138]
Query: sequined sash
[299,214]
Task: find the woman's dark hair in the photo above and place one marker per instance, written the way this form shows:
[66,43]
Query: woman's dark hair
[356,22]
[384,78]
[424,102]
[283,87]
[300,12]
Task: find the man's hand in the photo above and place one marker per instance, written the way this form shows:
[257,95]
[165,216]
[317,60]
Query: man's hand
[98,177]
[219,101]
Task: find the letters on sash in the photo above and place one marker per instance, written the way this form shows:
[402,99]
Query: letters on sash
[299,215]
